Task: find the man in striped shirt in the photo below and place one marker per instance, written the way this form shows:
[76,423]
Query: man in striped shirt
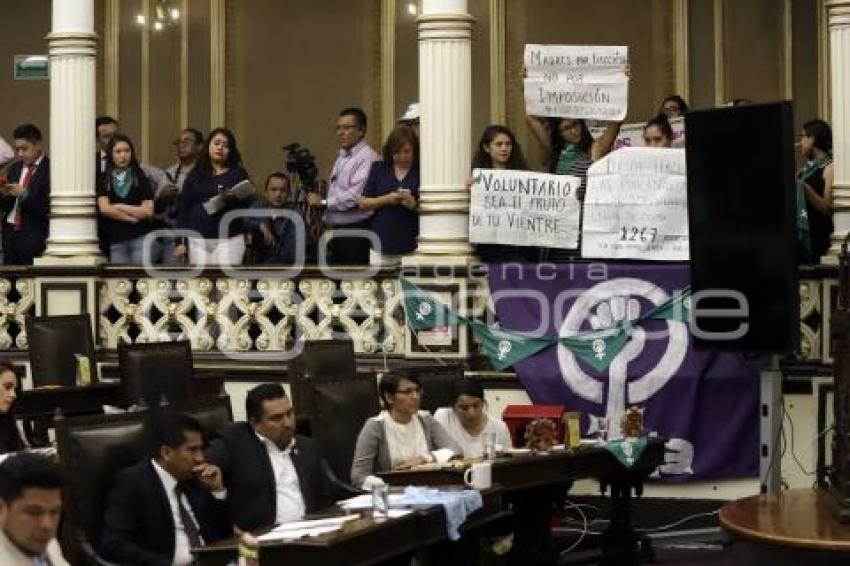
[348,177]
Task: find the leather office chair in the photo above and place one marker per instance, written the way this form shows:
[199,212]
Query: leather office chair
[53,341]
[155,370]
[93,449]
[321,360]
[213,414]
[341,408]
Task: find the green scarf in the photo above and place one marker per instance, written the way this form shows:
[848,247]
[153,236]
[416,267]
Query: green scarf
[803,224]
[122,188]
[569,156]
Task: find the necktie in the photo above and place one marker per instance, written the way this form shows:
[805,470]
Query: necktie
[192,532]
[18,222]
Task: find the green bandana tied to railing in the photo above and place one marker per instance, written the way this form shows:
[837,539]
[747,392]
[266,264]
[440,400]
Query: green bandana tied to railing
[505,347]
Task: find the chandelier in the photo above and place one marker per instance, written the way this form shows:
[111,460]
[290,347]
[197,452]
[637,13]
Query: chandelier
[164,14]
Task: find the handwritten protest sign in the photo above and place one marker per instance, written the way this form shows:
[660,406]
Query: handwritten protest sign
[524,208]
[636,206]
[576,81]
[631,135]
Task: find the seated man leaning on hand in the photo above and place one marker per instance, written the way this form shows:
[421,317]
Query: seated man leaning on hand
[272,475]
[160,508]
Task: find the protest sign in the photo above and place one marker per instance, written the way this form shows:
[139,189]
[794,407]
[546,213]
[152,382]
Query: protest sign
[636,206]
[524,208]
[576,81]
[631,135]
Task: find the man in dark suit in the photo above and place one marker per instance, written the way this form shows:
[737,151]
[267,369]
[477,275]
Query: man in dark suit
[161,507]
[25,200]
[272,475]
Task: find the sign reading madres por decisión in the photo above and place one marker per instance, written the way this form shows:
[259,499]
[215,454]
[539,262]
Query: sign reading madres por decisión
[576,81]
[524,208]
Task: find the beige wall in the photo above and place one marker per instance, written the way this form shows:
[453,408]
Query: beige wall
[701,53]
[754,49]
[291,77]
[645,27]
[288,77]
[23,101]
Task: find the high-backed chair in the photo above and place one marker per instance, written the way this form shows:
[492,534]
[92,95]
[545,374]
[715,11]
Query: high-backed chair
[155,370]
[340,409]
[320,360]
[53,343]
[213,414]
[93,449]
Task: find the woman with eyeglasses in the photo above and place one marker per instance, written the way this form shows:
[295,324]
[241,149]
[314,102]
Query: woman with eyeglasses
[467,420]
[401,436]
[674,106]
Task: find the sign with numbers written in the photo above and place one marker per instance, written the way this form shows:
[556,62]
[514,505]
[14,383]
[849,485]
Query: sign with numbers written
[524,208]
[636,206]
[576,81]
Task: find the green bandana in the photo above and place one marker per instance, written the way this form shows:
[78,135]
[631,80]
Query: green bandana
[627,451]
[569,156]
[122,188]
[423,312]
[504,347]
[677,307]
[598,349]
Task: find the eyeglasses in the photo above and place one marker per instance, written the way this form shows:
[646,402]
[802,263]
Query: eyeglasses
[409,391]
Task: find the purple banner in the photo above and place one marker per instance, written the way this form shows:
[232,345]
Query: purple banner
[704,401]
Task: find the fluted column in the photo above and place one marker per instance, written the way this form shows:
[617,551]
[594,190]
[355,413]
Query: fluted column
[72,45]
[445,96]
[838,16]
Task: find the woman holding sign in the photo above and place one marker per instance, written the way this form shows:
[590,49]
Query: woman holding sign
[498,148]
[814,182]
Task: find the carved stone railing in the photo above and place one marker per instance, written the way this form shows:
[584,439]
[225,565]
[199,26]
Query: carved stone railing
[252,310]
[229,313]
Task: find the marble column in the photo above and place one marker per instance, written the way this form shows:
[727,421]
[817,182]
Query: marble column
[72,45]
[445,96]
[838,16]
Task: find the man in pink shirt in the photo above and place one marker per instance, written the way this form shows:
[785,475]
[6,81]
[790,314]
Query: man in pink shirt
[348,177]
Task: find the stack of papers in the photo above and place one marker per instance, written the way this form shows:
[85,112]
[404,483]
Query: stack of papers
[365,501]
[309,528]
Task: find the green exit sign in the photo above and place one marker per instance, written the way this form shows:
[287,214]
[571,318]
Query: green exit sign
[32,68]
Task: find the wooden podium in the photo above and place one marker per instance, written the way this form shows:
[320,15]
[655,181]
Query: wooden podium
[796,526]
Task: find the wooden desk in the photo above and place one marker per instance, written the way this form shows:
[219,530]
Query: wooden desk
[796,525]
[73,400]
[533,483]
[514,473]
[363,540]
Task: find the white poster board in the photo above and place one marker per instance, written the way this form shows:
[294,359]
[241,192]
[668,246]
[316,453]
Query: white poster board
[636,206]
[631,135]
[524,208]
[576,81]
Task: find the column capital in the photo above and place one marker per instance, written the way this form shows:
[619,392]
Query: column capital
[838,12]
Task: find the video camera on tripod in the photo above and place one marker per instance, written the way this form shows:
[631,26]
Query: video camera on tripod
[300,161]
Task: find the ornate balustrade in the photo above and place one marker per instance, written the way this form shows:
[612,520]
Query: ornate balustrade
[256,310]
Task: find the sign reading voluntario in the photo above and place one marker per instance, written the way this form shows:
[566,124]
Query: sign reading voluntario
[524,208]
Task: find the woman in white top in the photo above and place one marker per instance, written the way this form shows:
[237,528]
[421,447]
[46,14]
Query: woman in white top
[401,436]
[468,423]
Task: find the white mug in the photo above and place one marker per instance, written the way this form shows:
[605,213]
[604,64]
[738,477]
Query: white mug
[479,475]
